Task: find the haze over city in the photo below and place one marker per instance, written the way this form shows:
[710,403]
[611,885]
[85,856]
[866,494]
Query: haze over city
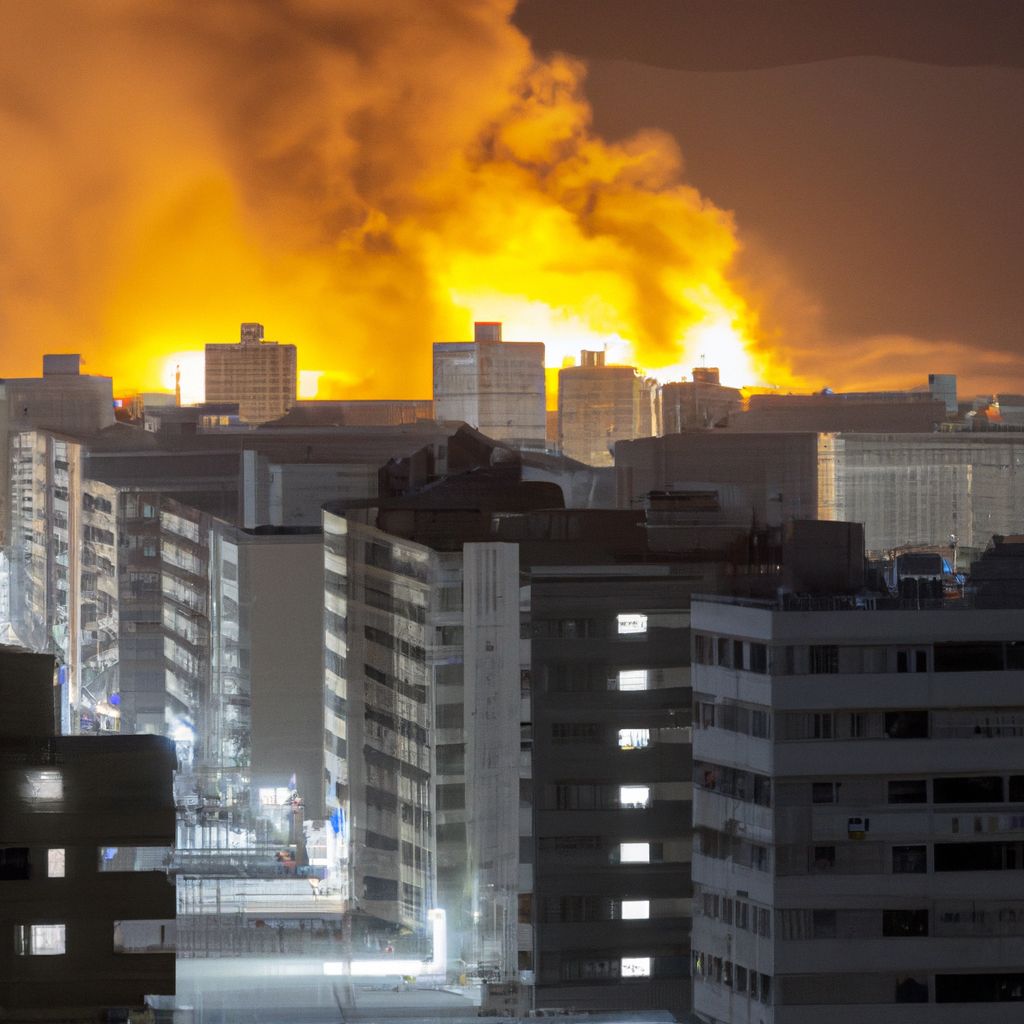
[369,180]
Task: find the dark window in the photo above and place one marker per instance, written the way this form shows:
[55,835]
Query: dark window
[14,863]
[823,792]
[968,657]
[1017,788]
[1015,654]
[910,990]
[824,659]
[909,860]
[380,888]
[758,658]
[824,923]
[824,858]
[978,856]
[906,725]
[904,923]
[981,789]
[908,791]
[451,797]
[979,988]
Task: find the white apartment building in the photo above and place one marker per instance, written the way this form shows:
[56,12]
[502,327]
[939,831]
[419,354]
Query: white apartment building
[858,813]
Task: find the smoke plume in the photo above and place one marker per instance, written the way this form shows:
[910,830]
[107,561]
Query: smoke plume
[363,177]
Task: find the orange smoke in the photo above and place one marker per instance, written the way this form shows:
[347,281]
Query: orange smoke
[363,180]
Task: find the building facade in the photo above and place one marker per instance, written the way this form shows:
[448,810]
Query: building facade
[856,788]
[493,385]
[261,376]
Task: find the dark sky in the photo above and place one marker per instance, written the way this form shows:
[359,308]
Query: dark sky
[873,154]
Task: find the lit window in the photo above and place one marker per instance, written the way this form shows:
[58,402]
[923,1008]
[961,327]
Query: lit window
[635,853]
[634,739]
[634,796]
[636,910]
[633,679]
[632,623]
[275,796]
[40,940]
[55,863]
[636,967]
[42,785]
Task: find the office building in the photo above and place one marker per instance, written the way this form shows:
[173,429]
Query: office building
[88,828]
[259,375]
[856,776]
[599,405]
[493,385]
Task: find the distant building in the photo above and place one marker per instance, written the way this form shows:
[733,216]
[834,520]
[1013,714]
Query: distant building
[699,404]
[943,387]
[259,375]
[912,412]
[493,385]
[857,778]
[599,405]
[88,827]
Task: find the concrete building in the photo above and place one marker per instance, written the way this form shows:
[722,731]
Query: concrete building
[767,478]
[259,375]
[378,775]
[599,405]
[611,777]
[856,778]
[88,827]
[923,488]
[698,404]
[63,556]
[493,385]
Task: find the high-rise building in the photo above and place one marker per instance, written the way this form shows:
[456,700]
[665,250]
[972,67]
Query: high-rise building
[259,375]
[698,404]
[857,783]
[493,385]
[599,405]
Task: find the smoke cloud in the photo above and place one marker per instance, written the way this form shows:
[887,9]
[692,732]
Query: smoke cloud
[364,178]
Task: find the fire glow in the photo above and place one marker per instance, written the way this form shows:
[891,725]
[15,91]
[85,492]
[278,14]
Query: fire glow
[363,189]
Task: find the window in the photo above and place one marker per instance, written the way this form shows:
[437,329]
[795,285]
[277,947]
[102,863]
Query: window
[978,790]
[824,924]
[824,858]
[909,860]
[41,786]
[634,853]
[636,967]
[631,623]
[635,910]
[904,923]
[908,791]
[906,725]
[634,739]
[823,726]
[40,940]
[979,988]
[824,659]
[968,657]
[634,796]
[14,863]
[55,863]
[824,792]
[633,679]
[758,658]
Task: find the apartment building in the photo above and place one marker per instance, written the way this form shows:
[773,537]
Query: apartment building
[261,376]
[86,909]
[857,797]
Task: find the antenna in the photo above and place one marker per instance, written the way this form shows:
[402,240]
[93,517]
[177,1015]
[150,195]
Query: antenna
[177,384]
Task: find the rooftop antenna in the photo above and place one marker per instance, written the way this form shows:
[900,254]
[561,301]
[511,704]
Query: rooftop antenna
[177,384]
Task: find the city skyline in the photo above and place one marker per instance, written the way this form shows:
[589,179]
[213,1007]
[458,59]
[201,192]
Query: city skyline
[151,210]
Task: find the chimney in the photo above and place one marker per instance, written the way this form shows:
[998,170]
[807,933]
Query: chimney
[487,330]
